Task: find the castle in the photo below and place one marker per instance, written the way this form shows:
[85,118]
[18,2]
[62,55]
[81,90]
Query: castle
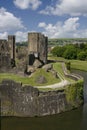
[7,52]
[37,51]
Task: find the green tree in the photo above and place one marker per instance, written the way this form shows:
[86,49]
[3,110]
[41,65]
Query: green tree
[58,51]
[82,55]
[70,53]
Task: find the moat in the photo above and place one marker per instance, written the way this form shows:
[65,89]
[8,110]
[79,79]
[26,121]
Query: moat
[72,120]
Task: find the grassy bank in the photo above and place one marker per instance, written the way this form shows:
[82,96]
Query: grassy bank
[33,79]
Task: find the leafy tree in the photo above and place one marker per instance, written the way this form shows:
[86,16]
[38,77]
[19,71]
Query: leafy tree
[70,53]
[58,51]
[82,55]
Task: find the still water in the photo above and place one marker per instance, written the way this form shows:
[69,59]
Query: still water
[72,120]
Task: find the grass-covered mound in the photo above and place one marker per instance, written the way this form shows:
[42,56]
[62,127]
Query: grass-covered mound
[31,80]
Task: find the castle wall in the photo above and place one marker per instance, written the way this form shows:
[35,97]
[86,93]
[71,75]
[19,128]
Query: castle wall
[5,60]
[11,42]
[37,45]
[18,100]
[33,41]
[43,45]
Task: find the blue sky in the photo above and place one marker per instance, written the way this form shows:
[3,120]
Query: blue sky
[54,18]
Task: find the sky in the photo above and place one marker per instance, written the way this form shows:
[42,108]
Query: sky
[53,18]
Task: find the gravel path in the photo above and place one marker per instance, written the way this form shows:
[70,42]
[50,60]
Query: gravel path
[57,85]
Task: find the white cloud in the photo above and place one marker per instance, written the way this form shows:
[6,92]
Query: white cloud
[8,22]
[42,24]
[21,36]
[70,7]
[3,35]
[25,4]
[67,29]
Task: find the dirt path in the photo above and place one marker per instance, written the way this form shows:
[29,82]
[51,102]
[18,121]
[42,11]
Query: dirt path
[57,85]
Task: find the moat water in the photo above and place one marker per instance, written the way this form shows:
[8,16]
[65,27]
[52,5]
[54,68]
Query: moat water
[72,120]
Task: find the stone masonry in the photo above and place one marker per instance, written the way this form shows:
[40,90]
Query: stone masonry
[25,101]
[7,52]
[4,54]
[37,49]
[11,41]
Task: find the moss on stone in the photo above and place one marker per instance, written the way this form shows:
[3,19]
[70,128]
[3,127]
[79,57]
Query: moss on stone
[74,93]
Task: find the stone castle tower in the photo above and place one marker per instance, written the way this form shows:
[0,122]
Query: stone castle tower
[11,41]
[37,49]
[7,52]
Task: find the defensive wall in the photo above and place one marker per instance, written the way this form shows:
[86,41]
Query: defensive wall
[19,100]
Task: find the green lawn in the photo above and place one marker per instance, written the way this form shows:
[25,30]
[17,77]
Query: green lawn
[77,64]
[31,80]
[50,57]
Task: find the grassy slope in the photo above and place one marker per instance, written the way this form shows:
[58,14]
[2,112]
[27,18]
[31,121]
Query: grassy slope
[32,80]
[58,68]
[75,64]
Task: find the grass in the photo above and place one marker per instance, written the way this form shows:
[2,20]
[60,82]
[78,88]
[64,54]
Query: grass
[80,65]
[31,80]
[75,64]
[50,57]
[58,68]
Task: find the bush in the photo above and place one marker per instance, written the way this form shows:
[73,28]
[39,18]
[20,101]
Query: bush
[68,65]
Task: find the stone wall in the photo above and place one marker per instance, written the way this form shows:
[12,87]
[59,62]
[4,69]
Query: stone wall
[7,53]
[11,42]
[18,100]
[5,60]
[37,48]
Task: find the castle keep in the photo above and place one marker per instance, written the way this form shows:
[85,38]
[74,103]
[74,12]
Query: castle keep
[37,49]
[7,52]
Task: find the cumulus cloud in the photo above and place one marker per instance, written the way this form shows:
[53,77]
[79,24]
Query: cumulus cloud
[3,35]
[8,22]
[70,7]
[25,4]
[68,28]
[21,36]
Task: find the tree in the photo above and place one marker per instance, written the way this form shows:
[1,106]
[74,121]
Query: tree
[58,51]
[82,55]
[70,53]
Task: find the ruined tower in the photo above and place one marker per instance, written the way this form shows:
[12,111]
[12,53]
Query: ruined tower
[5,60]
[37,49]
[11,42]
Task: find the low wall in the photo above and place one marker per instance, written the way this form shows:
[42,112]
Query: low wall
[18,100]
